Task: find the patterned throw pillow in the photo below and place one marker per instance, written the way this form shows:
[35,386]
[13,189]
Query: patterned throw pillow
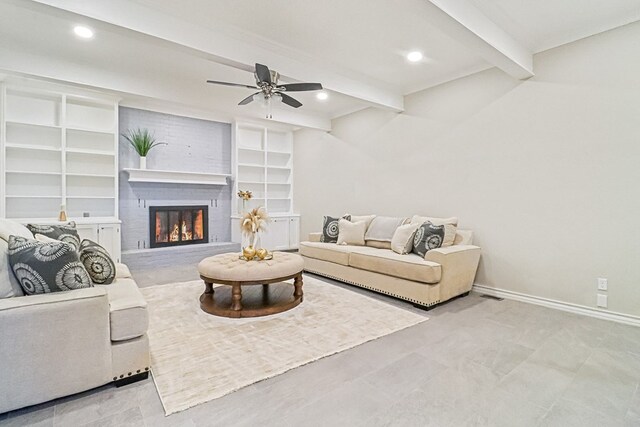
[46,267]
[98,263]
[330,228]
[65,233]
[427,237]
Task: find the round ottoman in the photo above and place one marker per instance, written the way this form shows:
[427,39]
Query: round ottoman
[242,297]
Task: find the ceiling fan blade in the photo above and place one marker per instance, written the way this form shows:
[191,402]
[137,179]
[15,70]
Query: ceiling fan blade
[289,100]
[301,87]
[263,73]
[230,84]
[248,99]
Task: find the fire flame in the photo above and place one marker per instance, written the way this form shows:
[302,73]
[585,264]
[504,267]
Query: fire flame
[174,236]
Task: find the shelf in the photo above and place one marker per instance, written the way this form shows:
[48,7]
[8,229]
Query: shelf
[279,167]
[36,173]
[251,165]
[101,131]
[90,197]
[13,122]
[8,196]
[32,147]
[287,153]
[176,177]
[251,182]
[85,151]
[279,198]
[255,150]
[95,175]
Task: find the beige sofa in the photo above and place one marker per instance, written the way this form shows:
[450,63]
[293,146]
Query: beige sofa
[441,275]
[57,344]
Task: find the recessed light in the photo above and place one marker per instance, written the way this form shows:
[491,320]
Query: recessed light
[322,96]
[414,56]
[83,32]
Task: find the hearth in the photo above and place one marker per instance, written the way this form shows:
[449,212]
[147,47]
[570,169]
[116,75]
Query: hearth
[178,225]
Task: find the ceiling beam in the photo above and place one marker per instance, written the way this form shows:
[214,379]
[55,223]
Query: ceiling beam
[463,22]
[223,48]
[139,92]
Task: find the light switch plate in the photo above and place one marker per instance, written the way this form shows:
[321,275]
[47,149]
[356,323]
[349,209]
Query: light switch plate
[602,284]
[602,301]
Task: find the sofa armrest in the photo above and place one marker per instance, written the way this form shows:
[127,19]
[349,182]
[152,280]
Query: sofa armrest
[53,345]
[459,265]
[315,237]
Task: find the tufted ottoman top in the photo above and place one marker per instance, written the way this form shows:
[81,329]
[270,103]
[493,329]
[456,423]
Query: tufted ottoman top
[230,267]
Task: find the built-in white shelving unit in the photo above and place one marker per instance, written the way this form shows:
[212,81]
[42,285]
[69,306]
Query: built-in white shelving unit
[57,148]
[263,163]
[264,166]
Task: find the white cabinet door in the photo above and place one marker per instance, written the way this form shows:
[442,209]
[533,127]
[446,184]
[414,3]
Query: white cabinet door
[277,236]
[109,238]
[88,231]
[294,232]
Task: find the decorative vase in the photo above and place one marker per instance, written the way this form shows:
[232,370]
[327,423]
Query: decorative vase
[262,253]
[248,252]
[143,162]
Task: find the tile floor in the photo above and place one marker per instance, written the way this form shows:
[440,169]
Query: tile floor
[476,362]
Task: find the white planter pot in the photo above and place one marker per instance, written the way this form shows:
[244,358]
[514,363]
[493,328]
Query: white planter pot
[143,162]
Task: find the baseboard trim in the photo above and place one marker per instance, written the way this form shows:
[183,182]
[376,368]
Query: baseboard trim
[627,319]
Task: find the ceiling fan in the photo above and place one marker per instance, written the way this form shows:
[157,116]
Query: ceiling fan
[267,83]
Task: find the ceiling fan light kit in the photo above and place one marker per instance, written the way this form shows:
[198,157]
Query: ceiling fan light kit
[267,84]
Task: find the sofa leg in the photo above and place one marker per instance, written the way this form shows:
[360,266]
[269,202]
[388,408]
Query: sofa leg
[132,379]
[423,307]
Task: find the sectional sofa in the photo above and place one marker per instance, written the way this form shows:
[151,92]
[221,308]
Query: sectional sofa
[442,274]
[57,344]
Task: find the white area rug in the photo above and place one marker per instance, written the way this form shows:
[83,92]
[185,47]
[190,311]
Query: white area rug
[197,357]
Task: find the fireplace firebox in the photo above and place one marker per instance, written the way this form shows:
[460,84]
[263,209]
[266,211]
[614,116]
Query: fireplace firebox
[178,225]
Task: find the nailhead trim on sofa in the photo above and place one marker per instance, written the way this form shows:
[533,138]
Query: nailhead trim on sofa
[373,289]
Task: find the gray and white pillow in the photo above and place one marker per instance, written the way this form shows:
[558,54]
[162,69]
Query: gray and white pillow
[44,267]
[330,228]
[427,237]
[97,262]
[65,233]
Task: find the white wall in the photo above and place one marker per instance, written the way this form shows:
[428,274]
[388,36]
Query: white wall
[546,172]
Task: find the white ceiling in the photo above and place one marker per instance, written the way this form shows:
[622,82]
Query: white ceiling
[165,50]
[544,24]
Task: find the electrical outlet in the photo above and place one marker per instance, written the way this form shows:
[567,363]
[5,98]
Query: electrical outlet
[602,301]
[602,284]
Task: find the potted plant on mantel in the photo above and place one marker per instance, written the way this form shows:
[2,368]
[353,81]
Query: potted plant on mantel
[142,141]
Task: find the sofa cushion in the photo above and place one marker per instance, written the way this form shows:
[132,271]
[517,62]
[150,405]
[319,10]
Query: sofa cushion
[65,233]
[330,229]
[127,310]
[46,267]
[377,244]
[351,233]
[428,237]
[409,267]
[383,227]
[13,228]
[9,286]
[417,219]
[122,271]
[402,240]
[358,218]
[331,252]
[98,263]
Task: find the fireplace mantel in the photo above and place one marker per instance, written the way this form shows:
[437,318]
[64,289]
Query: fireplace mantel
[176,177]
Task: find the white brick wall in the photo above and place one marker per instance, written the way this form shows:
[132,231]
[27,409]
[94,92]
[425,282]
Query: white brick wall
[193,145]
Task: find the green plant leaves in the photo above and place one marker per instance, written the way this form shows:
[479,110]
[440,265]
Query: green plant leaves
[141,140]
